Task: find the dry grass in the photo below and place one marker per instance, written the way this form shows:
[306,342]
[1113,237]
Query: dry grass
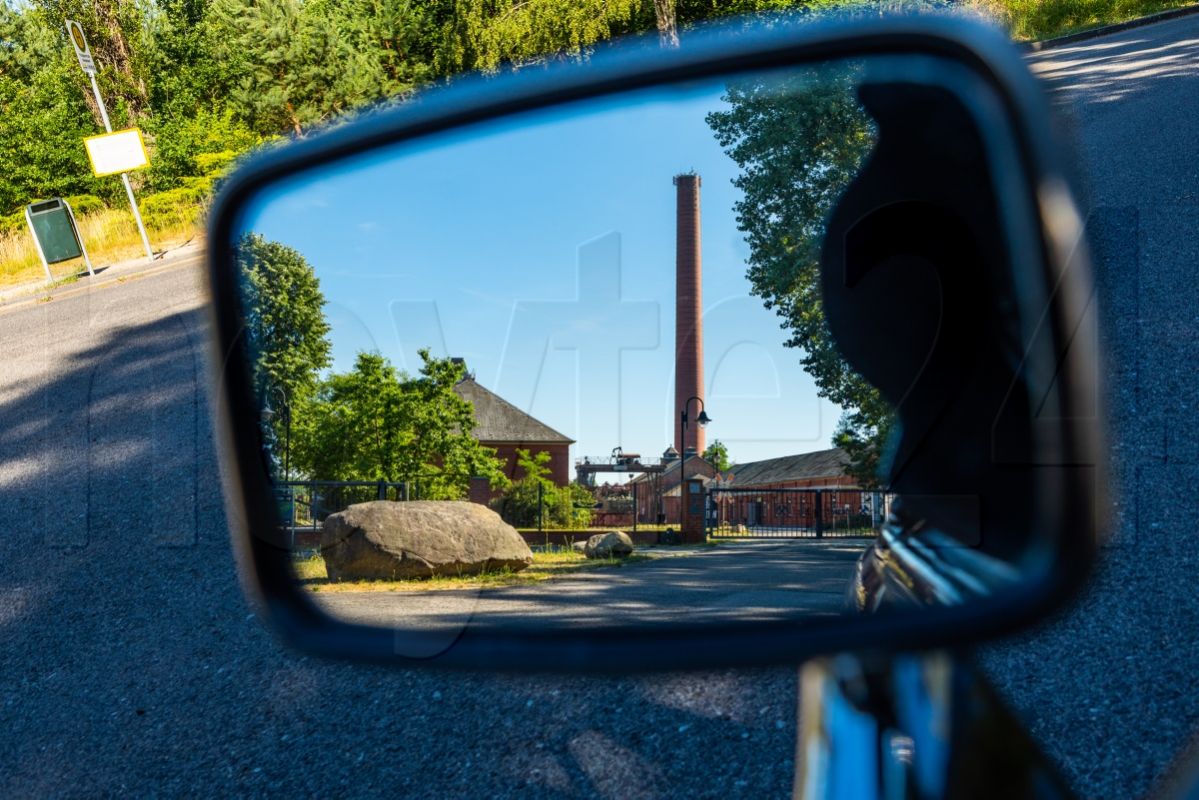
[546,564]
[1045,19]
[109,236]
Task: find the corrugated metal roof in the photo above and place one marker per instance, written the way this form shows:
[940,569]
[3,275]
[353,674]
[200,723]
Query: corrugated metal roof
[497,420]
[820,464]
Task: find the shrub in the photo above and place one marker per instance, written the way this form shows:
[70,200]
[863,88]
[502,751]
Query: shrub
[196,145]
[557,506]
[83,204]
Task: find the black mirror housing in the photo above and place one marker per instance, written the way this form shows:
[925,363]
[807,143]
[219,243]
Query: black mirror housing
[1027,443]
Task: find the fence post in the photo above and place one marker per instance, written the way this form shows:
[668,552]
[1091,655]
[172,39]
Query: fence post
[540,506]
[819,514]
[381,493]
[634,507]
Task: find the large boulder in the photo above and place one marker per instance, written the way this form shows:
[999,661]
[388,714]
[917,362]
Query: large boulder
[383,540]
[613,544]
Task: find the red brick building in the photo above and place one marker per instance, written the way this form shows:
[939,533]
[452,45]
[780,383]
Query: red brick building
[658,493]
[505,427]
[754,501]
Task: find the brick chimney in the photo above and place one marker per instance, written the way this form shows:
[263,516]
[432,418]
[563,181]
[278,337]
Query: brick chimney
[688,326]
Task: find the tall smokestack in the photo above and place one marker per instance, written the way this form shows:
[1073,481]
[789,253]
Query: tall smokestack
[688,326]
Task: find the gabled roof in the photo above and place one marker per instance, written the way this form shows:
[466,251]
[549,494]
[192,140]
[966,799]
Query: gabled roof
[820,464]
[497,420]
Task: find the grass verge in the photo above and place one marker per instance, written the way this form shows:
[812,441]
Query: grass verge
[1048,19]
[109,235]
[546,564]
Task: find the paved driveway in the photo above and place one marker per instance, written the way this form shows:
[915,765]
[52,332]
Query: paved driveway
[790,579]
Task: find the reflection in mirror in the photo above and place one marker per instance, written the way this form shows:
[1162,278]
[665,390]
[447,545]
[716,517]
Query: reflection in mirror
[664,357]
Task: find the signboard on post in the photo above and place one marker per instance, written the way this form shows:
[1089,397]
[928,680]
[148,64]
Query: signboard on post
[82,51]
[113,153]
[116,151]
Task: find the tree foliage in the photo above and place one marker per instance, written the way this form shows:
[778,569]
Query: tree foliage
[798,141]
[286,329]
[373,423]
[534,497]
[717,454]
[213,76]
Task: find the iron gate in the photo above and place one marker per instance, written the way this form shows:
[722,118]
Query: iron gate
[793,513]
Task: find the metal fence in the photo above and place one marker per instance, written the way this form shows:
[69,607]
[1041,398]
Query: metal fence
[794,513]
[304,505]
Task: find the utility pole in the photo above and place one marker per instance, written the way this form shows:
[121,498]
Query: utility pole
[84,53]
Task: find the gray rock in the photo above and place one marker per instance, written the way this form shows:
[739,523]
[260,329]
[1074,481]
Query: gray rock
[383,540]
[613,544]
[578,547]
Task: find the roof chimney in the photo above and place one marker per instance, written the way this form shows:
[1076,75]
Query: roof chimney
[688,324]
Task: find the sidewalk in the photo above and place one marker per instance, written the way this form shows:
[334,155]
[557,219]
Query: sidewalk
[20,295]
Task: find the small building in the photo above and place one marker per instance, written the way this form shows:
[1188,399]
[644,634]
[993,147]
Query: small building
[503,426]
[659,493]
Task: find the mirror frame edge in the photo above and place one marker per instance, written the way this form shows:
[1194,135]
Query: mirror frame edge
[265,576]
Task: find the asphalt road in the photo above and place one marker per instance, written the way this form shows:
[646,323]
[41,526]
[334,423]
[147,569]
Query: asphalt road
[1110,687]
[792,579]
[131,665]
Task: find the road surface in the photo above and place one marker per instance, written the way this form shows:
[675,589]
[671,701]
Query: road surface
[1110,688]
[131,665]
[751,580]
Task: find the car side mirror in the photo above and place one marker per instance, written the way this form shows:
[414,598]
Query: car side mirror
[432,322]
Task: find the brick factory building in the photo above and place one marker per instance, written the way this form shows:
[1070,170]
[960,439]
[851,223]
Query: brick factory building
[505,427]
[823,469]
[658,493]
[755,499]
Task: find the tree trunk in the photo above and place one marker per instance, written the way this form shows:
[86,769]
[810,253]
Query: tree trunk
[668,33]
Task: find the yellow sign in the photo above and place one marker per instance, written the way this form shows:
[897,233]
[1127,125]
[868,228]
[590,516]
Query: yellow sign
[119,151]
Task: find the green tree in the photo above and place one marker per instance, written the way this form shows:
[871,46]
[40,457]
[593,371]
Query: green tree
[374,423]
[286,330]
[288,65]
[534,494]
[717,454]
[799,140]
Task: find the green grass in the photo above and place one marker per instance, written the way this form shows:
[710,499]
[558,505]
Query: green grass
[110,235]
[547,564]
[1047,19]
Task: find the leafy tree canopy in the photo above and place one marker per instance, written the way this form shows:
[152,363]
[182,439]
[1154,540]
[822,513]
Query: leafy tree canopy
[374,423]
[717,454]
[799,140]
[534,497]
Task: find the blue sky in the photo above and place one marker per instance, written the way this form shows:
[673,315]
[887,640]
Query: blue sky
[541,250]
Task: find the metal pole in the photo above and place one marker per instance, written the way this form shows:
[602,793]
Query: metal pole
[540,506]
[137,214]
[287,445]
[636,508]
[38,246]
[819,514]
[79,238]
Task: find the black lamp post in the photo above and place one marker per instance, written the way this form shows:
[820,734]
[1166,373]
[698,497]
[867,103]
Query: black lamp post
[703,418]
[268,413]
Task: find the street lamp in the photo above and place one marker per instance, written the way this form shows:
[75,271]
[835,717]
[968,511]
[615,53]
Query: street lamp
[703,418]
[268,414]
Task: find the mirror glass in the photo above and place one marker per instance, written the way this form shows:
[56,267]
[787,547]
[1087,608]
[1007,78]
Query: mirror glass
[671,356]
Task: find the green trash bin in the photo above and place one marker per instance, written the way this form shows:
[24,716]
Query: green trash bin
[55,233]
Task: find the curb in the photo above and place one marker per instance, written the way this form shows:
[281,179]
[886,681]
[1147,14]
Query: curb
[70,290]
[1093,33]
